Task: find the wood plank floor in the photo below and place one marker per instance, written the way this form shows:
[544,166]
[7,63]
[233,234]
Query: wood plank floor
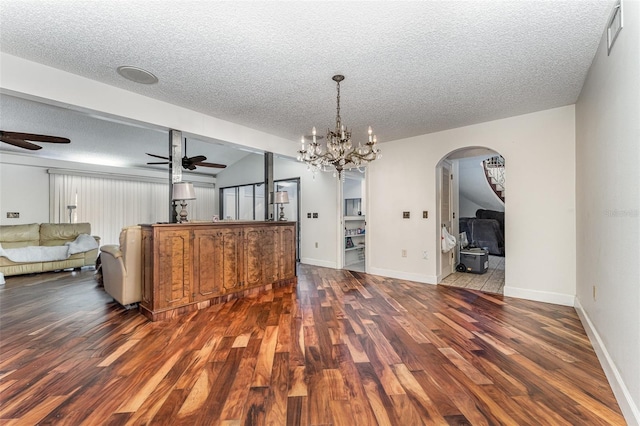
[340,348]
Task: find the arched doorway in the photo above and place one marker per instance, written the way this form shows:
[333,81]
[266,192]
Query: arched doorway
[471,206]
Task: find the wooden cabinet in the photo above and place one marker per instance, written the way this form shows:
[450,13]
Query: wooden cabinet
[191,266]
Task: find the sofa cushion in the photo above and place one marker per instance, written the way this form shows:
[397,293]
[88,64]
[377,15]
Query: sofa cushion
[55,234]
[16,236]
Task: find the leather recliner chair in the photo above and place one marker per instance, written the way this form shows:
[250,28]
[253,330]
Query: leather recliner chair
[122,267]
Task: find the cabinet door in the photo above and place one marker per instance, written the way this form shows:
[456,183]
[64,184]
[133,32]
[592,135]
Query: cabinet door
[231,259]
[208,264]
[287,252]
[253,243]
[173,268]
[270,259]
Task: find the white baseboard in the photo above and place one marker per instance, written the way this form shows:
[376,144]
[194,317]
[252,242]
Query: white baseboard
[629,409]
[318,262]
[540,296]
[427,279]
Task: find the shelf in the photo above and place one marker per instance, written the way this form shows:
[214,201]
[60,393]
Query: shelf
[355,235]
[354,218]
[354,248]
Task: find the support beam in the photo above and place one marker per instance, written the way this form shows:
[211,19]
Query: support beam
[268,186]
[175,169]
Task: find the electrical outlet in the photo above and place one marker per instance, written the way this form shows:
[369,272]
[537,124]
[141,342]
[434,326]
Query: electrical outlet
[404,253]
[308,215]
[13,215]
[425,255]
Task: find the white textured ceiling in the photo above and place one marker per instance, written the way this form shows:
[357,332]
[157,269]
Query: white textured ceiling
[411,67]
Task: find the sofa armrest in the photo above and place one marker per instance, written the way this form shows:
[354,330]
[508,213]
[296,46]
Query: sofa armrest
[122,283]
[112,250]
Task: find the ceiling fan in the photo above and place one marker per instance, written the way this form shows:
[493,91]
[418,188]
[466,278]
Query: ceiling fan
[20,139]
[189,163]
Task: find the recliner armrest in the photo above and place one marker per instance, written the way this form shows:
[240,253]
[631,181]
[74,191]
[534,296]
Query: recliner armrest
[112,250]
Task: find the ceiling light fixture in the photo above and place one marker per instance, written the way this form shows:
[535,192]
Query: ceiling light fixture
[137,75]
[338,153]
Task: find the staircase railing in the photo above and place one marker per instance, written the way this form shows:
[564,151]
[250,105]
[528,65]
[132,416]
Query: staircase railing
[494,172]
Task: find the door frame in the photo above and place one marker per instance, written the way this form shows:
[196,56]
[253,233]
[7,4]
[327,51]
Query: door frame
[297,219]
[341,222]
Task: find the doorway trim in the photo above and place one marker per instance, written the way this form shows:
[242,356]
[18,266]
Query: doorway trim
[456,154]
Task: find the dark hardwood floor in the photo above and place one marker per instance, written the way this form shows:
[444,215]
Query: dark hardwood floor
[341,348]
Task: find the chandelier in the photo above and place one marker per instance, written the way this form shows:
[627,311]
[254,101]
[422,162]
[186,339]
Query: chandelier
[338,153]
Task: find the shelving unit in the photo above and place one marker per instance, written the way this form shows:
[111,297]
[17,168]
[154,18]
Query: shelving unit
[354,237]
[353,220]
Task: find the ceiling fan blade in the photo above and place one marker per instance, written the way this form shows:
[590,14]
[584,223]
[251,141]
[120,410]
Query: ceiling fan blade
[35,138]
[215,165]
[197,159]
[20,143]
[158,156]
[163,162]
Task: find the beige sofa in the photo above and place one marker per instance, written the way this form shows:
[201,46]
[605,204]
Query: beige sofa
[122,267]
[45,234]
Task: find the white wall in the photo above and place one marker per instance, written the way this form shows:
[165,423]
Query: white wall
[540,208]
[318,194]
[23,189]
[250,169]
[608,209]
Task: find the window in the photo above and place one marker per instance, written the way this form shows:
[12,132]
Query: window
[243,202]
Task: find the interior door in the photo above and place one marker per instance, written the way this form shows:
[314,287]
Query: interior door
[447,260]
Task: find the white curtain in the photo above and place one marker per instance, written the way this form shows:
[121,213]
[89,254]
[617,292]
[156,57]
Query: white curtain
[110,204]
